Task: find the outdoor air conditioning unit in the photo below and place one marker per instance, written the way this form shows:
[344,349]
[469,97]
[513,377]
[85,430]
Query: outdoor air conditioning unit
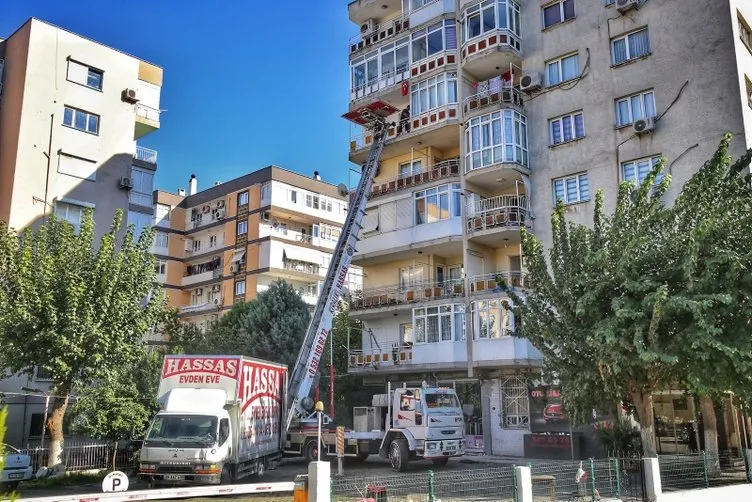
[531,82]
[217,302]
[220,204]
[199,291]
[215,288]
[126,183]
[624,6]
[234,267]
[130,95]
[643,126]
[265,216]
[368,27]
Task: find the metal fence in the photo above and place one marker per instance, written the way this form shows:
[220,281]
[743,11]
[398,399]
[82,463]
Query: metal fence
[86,456]
[590,479]
[702,470]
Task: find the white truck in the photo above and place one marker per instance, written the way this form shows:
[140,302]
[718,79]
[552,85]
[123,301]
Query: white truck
[402,425]
[222,419]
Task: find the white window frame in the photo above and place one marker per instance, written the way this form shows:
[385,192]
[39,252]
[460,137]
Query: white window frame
[69,205]
[745,33]
[453,314]
[266,190]
[239,288]
[69,120]
[143,187]
[559,63]
[160,267]
[410,277]
[501,310]
[212,241]
[636,164]
[242,228]
[161,239]
[434,93]
[515,404]
[562,19]
[90,70]
[243,198]
[567,128]
[411,168]
[162,212]
[452,192]
[626,38]
[577,179]
[501,138]
[511,11]
[447,42]
[644,98]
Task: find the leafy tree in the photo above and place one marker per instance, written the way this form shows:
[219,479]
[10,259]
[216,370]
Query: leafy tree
[78,311]
[119,406]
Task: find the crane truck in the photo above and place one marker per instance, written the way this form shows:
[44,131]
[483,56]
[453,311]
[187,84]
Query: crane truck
[224,417]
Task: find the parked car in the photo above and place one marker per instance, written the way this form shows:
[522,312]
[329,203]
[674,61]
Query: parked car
[16,468]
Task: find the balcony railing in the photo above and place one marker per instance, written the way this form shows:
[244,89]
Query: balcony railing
[400,295]
[381,83]
[302,267]
[214,303]
[499,211]
[147,112]
[440,170]
[146,154]
[381,32]
[496,282]
[390,353]
[481,100]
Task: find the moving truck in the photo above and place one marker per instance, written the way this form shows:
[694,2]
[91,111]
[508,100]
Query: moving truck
[222,418]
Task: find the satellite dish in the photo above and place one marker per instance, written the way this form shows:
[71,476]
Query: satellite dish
[342,189]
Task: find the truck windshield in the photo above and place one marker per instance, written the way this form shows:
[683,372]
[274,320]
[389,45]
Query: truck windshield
[441,401]
[173,429]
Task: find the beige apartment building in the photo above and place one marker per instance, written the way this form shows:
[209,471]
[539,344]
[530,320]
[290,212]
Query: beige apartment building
[507,106]
[229,242]
[71,113]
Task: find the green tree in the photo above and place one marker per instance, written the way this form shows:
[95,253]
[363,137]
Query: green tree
[119,406]
[78,311]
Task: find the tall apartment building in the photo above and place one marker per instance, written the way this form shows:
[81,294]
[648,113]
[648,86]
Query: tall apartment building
[71,113]
[507,106]
[229,242]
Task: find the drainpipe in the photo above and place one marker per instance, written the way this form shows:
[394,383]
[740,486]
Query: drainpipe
[48,154]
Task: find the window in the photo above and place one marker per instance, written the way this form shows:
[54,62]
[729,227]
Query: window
[294,196]
[609,2]
[140,221]
[242,198]
[389,60]
[572,189]
[514,403]
[439,324]
[161,239]
[160,267]
[438,203]
[266,190]
[433,93]
[566,128]
[496,138]
[79,167]
[312,201]
[410,277]
[84,75]
[493,319]
[434,39]
[491,15]
[212,241]
[242,227]
[745,33]
[239,288]
[562,69]
[557,13]
[43,374]
[406,333]
[81,120]
[632,46]
[635,171]
[417,4]
[635,107]
[162,212]
[410,168]
[748,85]
[143,187]
[71,213]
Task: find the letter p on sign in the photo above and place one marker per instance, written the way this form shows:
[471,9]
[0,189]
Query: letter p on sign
[115,481]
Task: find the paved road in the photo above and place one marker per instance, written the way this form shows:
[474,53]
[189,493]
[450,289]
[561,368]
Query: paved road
[374,466]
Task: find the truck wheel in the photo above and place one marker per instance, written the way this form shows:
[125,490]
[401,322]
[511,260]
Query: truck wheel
[440,461]
[260,467]
[398,455]
[226,477]
[311,451]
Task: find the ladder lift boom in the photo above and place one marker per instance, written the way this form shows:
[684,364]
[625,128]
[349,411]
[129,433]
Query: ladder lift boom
[372,117]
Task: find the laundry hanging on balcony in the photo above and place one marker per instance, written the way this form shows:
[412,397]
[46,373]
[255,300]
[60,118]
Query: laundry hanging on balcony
[405,88]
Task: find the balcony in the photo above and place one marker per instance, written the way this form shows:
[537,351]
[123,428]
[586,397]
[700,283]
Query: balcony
[492,98]
[407,296]
[492,31]
[445,169]
[147,120]
[362,10]
[145,155]
[386,87]
[486,284]
[266,230]
[496,149]
[396,356]
[213,304]
[382,31]
[203,272]
[487,218]
[291,262]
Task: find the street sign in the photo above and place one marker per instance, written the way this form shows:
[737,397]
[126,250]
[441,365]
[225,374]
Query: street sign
[116,481]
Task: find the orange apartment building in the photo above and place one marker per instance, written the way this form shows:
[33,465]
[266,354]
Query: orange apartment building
[227,243]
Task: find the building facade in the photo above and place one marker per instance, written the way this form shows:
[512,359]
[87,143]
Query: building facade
[71,113]
[507,106]
[228,243]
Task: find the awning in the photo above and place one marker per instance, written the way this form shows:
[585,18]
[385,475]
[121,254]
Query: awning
[305,255]
[238,256]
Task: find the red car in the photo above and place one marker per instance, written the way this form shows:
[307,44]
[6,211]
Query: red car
[554,413]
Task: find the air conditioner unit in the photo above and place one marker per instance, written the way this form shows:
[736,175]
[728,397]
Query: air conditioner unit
[216,288]
[219,214]
[627,5]
[265,216]
[531,82]
[126,182]
[130,96]
[234,267]
[217,301]
[206,208]
[199,291]
[368,27]
[643,126]
[220,204]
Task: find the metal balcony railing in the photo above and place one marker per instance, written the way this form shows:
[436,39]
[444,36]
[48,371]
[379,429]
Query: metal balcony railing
[406,294]
[145,154]
[487,98]
[496,282]
[389,353]
[440,170]
[499,211]
[381,32]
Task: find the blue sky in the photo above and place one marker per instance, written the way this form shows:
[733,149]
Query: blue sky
[246,84]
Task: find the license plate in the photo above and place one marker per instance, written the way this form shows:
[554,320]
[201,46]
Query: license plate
[16,475]
[174,477]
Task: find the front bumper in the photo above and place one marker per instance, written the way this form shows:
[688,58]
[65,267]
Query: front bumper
[444,448]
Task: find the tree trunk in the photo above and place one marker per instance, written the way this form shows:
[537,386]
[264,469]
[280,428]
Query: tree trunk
[55,423]
[643,402]
[710,433]
[114,456]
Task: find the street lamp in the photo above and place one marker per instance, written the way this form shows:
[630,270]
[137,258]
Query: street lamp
[46,407]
